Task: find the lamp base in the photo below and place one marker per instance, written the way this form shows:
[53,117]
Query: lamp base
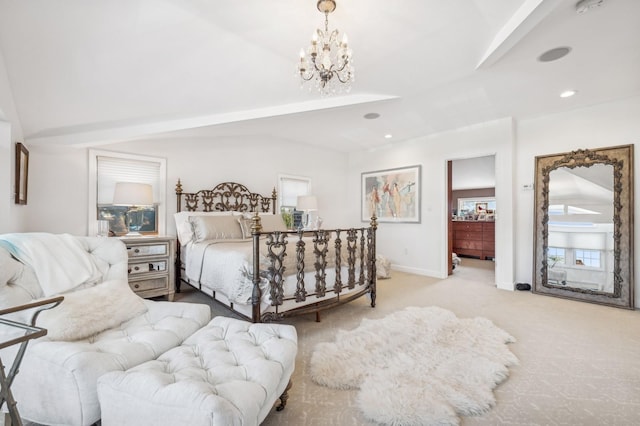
[133,234]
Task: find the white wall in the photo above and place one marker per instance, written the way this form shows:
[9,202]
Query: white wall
[12,217]
[422,248]
[198,163]
[609,124]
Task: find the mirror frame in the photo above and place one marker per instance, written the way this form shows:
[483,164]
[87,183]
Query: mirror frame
[621,158]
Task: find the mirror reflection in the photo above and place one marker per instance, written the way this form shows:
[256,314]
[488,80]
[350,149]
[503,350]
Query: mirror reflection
[580,225]
[583,245]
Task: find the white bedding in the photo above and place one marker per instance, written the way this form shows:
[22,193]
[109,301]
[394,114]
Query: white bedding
[226,266]
[222,265]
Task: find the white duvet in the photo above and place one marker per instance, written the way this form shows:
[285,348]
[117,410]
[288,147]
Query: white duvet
[226,266]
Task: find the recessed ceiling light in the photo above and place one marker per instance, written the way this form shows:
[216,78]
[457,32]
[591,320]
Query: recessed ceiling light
[584,6]
[388,136]
[568,93]
[554,54]
[371,115]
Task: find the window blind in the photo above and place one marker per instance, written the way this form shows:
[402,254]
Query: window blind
[112,169]
[291,188]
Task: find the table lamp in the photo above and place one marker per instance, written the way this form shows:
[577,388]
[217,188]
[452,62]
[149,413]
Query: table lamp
[307,204]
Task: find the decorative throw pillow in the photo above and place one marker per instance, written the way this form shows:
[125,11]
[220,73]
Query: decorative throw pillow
[269,222]
[272,222]
[184,227]
[86,312]
[245,226]
[215,228]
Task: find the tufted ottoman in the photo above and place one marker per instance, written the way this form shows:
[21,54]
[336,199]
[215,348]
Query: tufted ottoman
[230,372]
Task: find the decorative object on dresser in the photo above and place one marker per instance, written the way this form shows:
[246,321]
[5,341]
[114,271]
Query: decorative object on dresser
[418,366]
[474,238]
[583,245]
[258,268]
[151,265]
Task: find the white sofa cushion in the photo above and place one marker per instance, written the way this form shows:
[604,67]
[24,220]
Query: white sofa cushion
[57,380]
[230,372]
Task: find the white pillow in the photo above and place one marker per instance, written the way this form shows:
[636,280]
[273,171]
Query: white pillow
[215,228]
[86,312]
[269,222]
[184,227]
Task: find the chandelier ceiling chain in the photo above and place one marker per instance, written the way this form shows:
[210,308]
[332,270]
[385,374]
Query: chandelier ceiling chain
[327,61]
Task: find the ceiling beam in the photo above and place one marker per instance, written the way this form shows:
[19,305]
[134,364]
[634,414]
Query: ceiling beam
[112,132]
[526,18]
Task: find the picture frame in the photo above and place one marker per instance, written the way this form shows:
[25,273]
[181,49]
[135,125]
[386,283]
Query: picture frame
[393,195]
[22,174]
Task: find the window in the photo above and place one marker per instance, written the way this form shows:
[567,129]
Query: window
[290,188]
[105,170]
[555,256]
[588,258]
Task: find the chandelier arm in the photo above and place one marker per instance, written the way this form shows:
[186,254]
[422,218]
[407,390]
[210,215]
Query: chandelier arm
[341,80]
[341,68]
[315,66]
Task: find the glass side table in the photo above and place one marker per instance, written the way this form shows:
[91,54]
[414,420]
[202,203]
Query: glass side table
[18,333]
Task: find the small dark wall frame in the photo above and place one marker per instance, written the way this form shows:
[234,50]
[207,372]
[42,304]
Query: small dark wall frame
[22,173]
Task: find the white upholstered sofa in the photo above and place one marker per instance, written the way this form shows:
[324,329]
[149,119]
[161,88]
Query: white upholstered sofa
[57,381]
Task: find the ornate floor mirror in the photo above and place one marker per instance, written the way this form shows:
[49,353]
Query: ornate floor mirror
[584,226]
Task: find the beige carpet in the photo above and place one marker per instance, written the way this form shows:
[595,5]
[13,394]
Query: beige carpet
[579,363]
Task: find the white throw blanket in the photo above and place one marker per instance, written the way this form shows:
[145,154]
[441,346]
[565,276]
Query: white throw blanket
[60,262]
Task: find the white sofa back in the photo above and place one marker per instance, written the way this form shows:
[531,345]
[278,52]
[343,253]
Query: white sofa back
[18,282]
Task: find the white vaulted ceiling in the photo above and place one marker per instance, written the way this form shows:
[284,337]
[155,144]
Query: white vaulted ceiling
[89,72]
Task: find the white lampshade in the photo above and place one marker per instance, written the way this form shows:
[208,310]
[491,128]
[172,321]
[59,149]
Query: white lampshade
[133,194]
[307,203]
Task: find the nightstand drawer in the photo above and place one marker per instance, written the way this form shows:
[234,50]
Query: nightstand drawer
[151,265]
[142,268]
[150,284]
[157,249]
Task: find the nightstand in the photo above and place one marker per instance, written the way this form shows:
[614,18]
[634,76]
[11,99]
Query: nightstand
[151,265]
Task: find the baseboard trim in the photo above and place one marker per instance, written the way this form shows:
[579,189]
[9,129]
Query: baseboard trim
[417,271]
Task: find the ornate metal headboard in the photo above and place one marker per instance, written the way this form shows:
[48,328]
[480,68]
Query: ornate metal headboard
[226,196]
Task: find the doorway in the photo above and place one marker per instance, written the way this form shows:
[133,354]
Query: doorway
[472,208]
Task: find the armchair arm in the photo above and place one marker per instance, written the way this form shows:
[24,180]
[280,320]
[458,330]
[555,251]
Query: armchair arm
[48,303]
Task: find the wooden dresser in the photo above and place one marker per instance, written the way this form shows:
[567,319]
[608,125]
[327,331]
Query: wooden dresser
[474,239]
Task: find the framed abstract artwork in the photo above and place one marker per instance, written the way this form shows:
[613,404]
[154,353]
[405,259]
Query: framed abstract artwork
[22,173]
[391,195]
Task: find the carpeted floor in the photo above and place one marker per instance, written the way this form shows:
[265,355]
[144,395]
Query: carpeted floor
[579,362]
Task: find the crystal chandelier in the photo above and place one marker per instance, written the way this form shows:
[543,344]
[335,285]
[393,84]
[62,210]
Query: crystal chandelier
[326,60]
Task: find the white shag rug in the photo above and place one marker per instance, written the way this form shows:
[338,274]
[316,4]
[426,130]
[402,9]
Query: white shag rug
[418,366]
